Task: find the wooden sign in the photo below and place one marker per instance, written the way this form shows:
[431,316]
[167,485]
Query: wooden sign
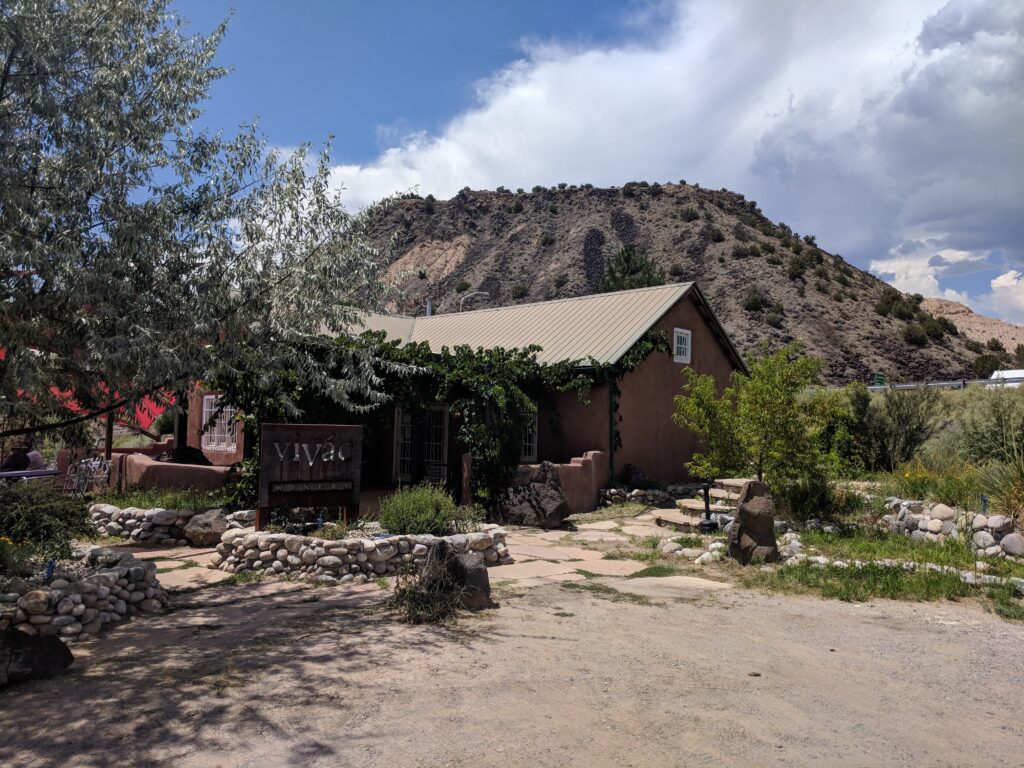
[310,465]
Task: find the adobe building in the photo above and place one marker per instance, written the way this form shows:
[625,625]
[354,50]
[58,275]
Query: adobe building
[403,445]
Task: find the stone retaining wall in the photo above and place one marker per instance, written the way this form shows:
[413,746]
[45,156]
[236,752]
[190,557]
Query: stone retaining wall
[156,527]
[346,560]
[109,588]
[992,536]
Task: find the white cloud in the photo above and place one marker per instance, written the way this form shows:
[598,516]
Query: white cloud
[870,125]
[1007,296]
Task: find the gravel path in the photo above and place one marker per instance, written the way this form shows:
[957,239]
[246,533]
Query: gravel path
[251,676]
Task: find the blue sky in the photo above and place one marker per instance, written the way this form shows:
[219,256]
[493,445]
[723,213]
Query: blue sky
[891,131]
[370,72]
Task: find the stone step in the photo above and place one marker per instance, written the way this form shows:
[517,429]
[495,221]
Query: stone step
[732,483]
[678,520]
[721,493]
[697,505]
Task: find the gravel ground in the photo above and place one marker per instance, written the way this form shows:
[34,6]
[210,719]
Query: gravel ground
[253,676]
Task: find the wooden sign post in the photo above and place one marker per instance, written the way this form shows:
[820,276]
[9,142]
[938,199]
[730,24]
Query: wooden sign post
[309,465]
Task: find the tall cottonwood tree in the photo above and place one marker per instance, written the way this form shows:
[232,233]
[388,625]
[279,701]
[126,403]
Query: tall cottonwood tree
[139,253]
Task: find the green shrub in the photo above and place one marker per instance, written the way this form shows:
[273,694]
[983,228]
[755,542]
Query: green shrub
[547,240]
[952,482]
[425,509]
[814,496]
[974,346]
[991,424]
[517,206]
[985,365]
[561,280]
[995,345]
[690,214]
[40,521]
[1006,484]
[755,300]
[676,270]
[745,251]
[520,290]
[462,286]
[914,334]
[893,427]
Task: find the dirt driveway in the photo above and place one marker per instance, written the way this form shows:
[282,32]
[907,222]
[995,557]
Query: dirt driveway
[277,674]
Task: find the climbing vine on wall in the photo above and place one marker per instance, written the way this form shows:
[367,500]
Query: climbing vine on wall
[492,392]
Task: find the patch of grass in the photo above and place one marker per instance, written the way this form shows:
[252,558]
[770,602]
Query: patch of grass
[604,592]
[382,583]
[651,542]
[1004,604]
[644,556]
[689,542]
[660,569]
[243,577]
[563,614]
[861,584]
[588,574]
[880,545]
[167,498]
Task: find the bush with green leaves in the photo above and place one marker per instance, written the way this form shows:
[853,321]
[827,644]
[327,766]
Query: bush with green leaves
[425,509]
[895,425]
[758,423]
[40,520]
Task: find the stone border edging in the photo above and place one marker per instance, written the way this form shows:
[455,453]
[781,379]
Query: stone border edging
[346,560]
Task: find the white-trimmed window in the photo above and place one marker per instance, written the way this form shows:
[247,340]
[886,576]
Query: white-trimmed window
[528,451]
[221,436]
[681,345]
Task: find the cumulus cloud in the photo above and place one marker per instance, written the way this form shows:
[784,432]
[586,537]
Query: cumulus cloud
[890,130]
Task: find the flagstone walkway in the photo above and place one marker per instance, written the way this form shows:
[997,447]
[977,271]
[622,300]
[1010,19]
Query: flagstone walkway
[540,557]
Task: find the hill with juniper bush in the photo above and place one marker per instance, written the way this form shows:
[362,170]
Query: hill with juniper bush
[766,283]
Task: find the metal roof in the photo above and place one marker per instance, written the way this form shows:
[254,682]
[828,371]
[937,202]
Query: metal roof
[603,326]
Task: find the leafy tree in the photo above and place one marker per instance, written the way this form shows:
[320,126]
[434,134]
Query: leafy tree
[138,253]
[757,424]
[629,268]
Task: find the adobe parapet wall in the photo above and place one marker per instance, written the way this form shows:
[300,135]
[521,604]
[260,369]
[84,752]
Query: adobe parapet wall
[346,560]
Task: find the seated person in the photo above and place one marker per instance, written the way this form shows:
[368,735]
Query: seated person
[18,461]
[35,458]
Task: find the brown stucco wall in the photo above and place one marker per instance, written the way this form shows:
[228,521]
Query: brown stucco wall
[650,439]
[566,429]
[195,431]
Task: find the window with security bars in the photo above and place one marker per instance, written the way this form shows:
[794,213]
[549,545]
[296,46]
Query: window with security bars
[434,447]
[528,451]
[222,435]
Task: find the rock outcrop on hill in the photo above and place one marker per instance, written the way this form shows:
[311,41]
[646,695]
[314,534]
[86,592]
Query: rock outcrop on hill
[765,282]
[974,326]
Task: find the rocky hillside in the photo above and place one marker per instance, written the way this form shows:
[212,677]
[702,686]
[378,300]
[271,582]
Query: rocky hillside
[765,282]
[975,326]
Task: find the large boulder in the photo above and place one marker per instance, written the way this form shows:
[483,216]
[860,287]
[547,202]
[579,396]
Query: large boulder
[538,502]
[30,657]
[752,535]
[206,528]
